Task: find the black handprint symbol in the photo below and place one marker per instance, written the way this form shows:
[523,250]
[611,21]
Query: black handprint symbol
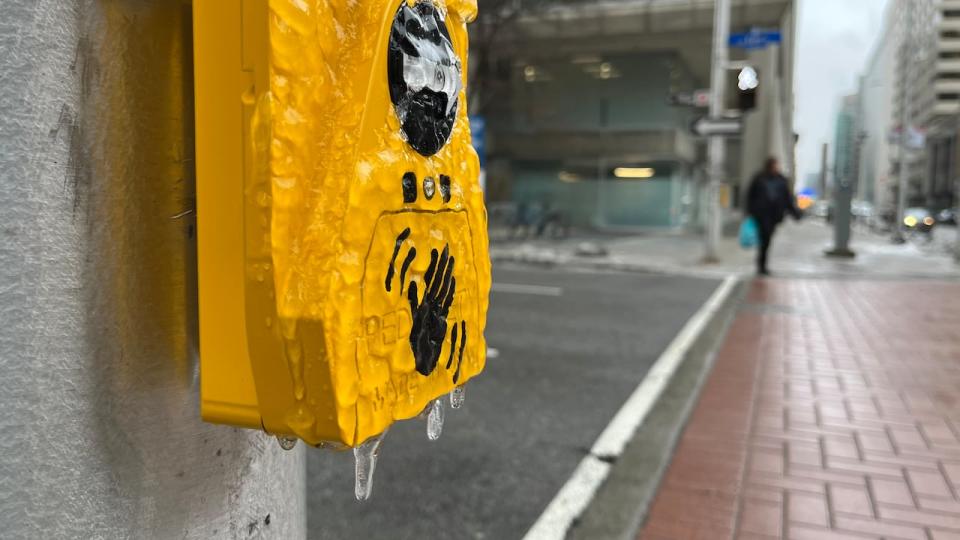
[429,314]
[411,255]
[463,344]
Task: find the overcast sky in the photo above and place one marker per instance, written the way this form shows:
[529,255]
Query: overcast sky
[835,40]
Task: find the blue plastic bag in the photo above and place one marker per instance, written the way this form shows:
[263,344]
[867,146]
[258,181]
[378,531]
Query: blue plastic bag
[749,234]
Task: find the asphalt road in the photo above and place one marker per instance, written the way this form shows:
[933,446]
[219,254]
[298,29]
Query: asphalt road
[571,350]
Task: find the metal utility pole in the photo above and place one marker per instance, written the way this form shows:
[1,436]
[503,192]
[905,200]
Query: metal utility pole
[906,120]
[956,204]
[822,188]
[102,436]
[955,171]
[843,185]
[715,148]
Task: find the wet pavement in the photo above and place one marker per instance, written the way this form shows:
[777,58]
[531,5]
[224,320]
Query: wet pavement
[798,250]
[571,347]
[833,412]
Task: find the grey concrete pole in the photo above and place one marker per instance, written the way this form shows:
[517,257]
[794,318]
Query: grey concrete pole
[98,331]
[843,187]
[715,148]
[822,191]
[842,197]
[956,246]
[956,205]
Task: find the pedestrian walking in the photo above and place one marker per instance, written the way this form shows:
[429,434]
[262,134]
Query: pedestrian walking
[768,200]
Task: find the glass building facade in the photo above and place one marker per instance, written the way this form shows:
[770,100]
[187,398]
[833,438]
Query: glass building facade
[594,138]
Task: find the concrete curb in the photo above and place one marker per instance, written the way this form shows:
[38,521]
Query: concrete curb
[610,264]
[613,264]
[619,508]
[602,493]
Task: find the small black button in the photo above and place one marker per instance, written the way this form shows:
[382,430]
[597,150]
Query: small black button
[409,187]
[445,187]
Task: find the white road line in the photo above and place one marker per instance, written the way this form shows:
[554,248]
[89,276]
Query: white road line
[580,489]
[517,288]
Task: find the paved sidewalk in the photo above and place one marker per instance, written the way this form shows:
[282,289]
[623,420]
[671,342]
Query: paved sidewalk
[833,411]
[797,251]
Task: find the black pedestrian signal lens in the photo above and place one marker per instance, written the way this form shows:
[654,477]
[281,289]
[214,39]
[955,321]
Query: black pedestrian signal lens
[423,73]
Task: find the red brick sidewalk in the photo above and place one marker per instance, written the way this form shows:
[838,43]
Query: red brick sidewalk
[833,411]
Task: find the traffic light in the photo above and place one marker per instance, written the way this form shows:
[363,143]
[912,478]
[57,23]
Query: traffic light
[742,87]
[342,235]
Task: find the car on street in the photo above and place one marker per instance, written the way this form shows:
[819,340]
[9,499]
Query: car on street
[918,220]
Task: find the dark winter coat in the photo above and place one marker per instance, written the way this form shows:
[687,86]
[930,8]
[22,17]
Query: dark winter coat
[769,199]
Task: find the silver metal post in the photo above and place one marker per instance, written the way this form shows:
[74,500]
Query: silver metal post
[102,436]
[824,171]
[715,148]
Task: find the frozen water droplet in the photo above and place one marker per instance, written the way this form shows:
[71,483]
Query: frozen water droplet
[435,420]
[456,397]
[287,443]
[365,460]
[426,410]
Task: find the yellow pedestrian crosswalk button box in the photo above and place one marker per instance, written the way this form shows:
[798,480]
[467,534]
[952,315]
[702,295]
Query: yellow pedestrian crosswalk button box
[343,264]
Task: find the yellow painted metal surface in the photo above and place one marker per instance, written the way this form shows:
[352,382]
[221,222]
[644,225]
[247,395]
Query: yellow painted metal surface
[344,274]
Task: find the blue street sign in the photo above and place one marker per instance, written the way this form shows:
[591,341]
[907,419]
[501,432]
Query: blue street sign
[478,133]
[755,39]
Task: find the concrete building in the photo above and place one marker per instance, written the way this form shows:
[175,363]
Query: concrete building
[915,64]
[586,128]
[942,149]
[847,140]
[876,95]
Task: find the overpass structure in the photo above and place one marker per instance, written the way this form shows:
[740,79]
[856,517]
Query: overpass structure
[587,88]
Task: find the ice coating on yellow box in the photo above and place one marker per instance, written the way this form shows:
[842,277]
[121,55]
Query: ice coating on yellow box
[363,230]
